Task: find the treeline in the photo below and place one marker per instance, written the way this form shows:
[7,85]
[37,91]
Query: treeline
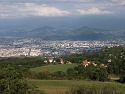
[79,72]
[28,62]
[22,64]
[112,57]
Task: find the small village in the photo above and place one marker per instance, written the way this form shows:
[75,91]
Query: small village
[84,63]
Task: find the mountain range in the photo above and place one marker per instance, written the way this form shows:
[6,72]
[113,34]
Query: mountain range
[51,33]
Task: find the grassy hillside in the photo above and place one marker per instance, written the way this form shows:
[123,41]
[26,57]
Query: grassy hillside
[53,68]
[60,86]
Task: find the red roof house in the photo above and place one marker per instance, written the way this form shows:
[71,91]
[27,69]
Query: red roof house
[85,63]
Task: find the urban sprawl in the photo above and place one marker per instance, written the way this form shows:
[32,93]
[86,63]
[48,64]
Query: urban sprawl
[38,47]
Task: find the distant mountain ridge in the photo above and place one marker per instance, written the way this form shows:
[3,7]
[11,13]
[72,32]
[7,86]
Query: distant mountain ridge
[86,33]
[51,33]
[82,33]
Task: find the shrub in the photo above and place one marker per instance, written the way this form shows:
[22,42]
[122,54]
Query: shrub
[122,79]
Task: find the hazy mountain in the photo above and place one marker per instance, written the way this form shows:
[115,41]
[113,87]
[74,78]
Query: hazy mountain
[47,33]
[86,33]
[81,33]
[65,33]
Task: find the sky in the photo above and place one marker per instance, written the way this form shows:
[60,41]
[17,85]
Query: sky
[11,9]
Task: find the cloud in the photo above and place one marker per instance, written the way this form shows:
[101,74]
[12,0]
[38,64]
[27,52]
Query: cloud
[2,15]
[50,1]
[92,11]
[29,9]
[122,2]
[61,1]
[43,10]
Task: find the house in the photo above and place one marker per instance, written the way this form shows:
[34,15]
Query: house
[68,62]
[45,61]
[109,60]
[85,63]
[103,65]
[51,60]
[61,61]
[94,64]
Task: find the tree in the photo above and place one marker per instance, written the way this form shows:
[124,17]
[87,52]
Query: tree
[12,82]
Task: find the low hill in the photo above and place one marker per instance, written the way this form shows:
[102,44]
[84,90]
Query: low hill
[54,68]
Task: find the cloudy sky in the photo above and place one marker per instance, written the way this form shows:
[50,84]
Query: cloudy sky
[29,8]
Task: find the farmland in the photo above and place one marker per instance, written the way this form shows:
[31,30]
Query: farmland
[54,68]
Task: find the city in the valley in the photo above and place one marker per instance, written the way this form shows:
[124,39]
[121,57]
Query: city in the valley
[42,48]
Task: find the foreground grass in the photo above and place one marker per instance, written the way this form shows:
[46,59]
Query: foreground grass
[53,68]
[60,86]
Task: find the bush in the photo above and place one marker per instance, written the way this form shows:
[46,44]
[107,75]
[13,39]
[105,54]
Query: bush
[44,74]
[122,79]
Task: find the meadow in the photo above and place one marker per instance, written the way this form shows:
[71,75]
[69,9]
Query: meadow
[60,86]
[54,68]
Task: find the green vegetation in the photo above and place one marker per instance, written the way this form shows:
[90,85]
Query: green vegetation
[112,57]
[54,68]
[109,60]
[54,77]
[12,82]
[63,86]
[27,62]
[90,72]
[94,89]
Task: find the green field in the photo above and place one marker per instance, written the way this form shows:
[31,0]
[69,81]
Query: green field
[53,68]
[60,86]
